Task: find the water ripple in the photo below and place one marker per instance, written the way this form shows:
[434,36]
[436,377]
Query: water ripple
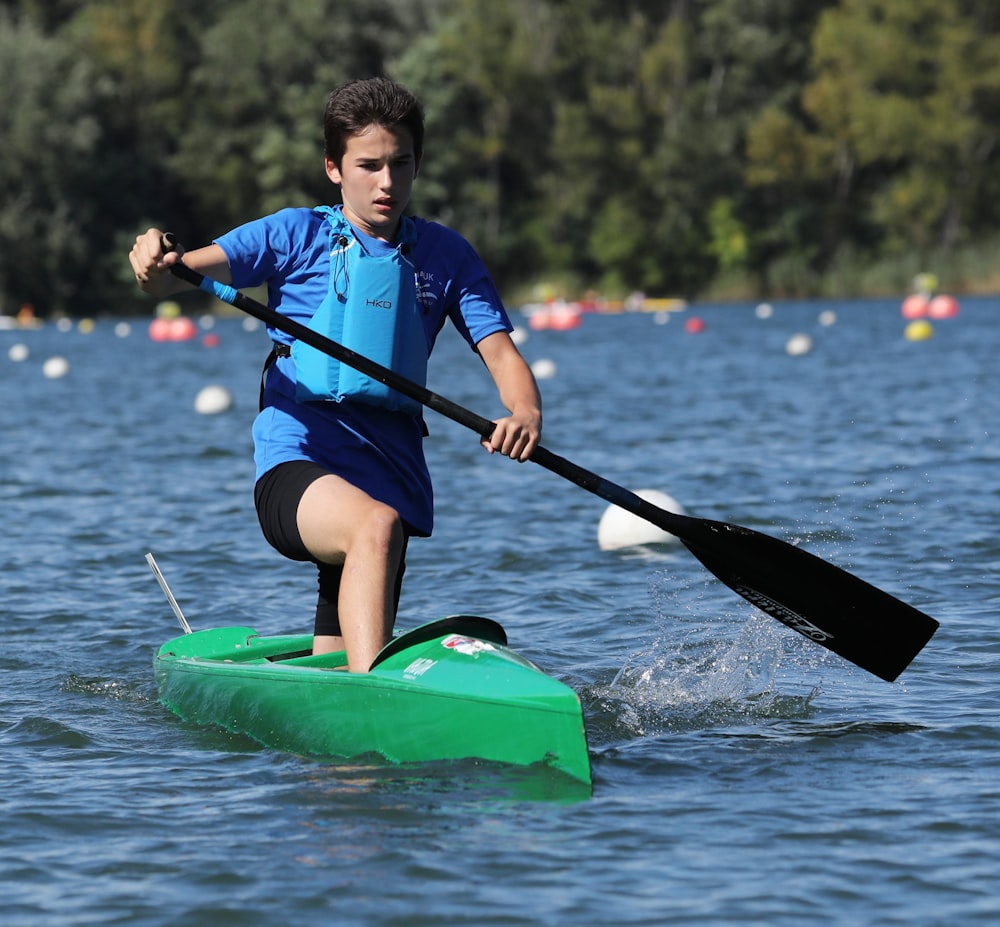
[719,739]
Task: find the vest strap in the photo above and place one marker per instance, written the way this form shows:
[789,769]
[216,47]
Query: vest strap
[371,308]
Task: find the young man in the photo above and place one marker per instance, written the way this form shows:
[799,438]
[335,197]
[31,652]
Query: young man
[341,475]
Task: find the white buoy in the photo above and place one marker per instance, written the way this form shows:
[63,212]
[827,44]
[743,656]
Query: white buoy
[827,318]
[798,345]
[250,324]
[764,311]
[544,369]
[519,335]
[55,367]
[122,329]
[212,400]
[18,352]
[619,528]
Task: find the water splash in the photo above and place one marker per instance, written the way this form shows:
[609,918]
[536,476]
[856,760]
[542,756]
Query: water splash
[700,673]
[114,689]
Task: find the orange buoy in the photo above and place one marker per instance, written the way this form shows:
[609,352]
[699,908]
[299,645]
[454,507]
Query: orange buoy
[182,328]
[159,329]
[915,306]
[176,328]
[942,307]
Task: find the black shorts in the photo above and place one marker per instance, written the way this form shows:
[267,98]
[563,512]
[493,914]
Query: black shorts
[277,496]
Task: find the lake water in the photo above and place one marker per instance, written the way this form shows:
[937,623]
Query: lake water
[742,775]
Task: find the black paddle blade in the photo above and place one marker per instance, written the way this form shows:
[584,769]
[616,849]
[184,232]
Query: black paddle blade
[821,601]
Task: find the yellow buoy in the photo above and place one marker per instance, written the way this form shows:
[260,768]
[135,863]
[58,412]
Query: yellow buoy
[918,330]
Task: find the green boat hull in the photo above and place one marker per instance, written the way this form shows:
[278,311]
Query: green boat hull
[433,694]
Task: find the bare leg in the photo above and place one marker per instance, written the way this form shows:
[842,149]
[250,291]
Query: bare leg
[341,524]
[327,643]
[327,637]
[326,634]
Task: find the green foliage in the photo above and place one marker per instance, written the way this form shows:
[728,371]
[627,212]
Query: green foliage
[640,145]
[729,238]
[251,138]
[481,68]
[50,123]
[898,122]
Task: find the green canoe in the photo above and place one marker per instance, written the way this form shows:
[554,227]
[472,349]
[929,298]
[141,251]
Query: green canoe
[447,690]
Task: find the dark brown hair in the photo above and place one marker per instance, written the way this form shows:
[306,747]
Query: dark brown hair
[377,101]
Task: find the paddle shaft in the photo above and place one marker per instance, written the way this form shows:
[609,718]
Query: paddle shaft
[821,601]
[482,426]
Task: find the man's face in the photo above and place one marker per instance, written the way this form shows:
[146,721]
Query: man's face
[375,179]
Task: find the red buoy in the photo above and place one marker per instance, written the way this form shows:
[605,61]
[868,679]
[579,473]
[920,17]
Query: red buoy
[915,306]
[943,307]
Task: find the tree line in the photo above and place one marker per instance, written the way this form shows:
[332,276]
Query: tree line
[668,147]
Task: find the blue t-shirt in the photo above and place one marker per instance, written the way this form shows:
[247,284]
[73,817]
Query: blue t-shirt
[378,450]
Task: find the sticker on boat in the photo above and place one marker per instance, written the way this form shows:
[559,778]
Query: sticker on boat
[418,668]
[467,645]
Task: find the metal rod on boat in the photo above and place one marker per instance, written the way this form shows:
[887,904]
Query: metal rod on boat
[166,591]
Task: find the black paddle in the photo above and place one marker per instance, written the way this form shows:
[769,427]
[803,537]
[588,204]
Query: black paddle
[828,605]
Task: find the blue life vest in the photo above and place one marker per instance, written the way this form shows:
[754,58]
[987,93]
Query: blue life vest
[372,309]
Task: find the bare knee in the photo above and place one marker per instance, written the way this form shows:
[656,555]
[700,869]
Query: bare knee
[382,532]
[336,519]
